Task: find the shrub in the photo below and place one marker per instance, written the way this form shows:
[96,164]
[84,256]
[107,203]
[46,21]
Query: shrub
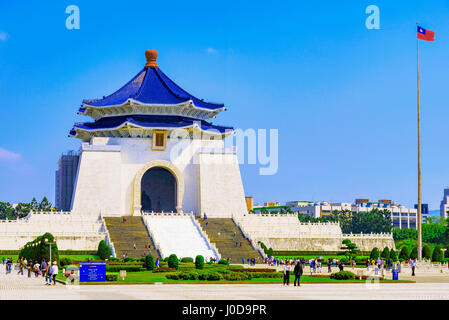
[149,262]
[224,262]
[403,254]
[343,275]
[199,262]
[253,270]
[437,254]
[211,276]
[393,255]
[446,253]
[426,252]
[385,253]
[111,276]
[163,269]
[414,253]
[103,251]
[271,275]
[187,259]
[39,249]
[173,261]
[128,268]
[65,261]
[237,276]
[129,259]
[374,254]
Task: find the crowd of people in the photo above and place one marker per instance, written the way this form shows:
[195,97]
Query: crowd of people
[48,271]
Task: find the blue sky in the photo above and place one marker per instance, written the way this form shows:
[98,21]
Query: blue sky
[343,97]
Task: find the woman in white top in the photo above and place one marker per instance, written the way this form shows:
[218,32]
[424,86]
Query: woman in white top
[287,269]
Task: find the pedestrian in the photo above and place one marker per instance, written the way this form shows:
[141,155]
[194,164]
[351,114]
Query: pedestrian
[236,244]
[48,274]
[298,273]
[341,265]
[287,274]
[240,244]
[243,260]
[43,267]
[235,234]
[413,265]
[135,247]
[54,272]
[329,265]
[36,269]
[30,263]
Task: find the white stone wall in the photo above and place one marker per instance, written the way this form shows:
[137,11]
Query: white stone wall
[220,187]
[71,231]
[108,168]
[286,233]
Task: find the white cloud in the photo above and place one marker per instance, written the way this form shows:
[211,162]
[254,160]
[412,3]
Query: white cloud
[211,50]
[3,36]
[9,155]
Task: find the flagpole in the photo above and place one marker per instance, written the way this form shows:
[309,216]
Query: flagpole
[419,218]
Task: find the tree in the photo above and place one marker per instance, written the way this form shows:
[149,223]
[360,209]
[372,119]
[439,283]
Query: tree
[45,205]
[426,252]
[437,254]
[34,204]
[103,250]
[199,262]
[39,249]
[393,255]
[173,261]
[414,253]
[385,253]
[350,248]
[403,254]
[374,254]
[149,262]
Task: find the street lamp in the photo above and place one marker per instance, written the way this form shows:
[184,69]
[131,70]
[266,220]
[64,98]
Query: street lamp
[49,243]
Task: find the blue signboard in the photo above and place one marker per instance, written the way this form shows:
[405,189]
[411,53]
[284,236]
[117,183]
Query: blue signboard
[92,271]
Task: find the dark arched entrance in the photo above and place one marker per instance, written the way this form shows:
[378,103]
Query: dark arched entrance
[158,189]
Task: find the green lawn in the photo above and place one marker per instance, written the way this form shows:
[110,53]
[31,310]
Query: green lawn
[80,257]
[150,278]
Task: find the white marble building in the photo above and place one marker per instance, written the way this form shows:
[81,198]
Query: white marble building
[151,149]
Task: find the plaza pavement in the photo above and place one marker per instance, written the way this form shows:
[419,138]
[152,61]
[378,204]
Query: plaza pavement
[18,287]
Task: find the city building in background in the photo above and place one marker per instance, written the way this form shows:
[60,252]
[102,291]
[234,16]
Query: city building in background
[401,216]
[249,203]
[444,206]
[424,211]
[65,180]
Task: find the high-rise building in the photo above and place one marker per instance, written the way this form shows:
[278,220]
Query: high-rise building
[65,180]
[444,205]
[424,211]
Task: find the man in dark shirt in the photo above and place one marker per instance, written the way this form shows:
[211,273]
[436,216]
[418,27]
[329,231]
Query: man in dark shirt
[298,272]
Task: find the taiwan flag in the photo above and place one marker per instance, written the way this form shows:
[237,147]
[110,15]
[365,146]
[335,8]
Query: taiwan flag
[424,34]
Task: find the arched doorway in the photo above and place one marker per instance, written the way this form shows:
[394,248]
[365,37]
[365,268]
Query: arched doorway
[158,190]
[137,190]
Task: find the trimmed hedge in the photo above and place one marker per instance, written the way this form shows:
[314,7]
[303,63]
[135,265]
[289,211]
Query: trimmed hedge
[111,276]
[173,261]
[149,262]
[199,262]
[162,269]
[76,252]
[224,262]
[187,259]
[253,270]
[65,261]
[103,251]
[128,268]
[317,253]
[343,275]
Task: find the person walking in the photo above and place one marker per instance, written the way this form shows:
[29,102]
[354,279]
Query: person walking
[287,273]
[329,265]
[54,272]
[30,264]
[413,265]
[43,267]
[298,273]
[48,273]
[341,265]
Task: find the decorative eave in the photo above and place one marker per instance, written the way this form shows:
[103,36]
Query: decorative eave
[130,130]
[131,106]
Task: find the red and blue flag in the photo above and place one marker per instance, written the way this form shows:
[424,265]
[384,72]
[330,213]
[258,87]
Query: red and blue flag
[424,34]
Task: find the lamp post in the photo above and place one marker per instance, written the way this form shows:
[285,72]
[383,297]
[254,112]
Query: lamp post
[49,243]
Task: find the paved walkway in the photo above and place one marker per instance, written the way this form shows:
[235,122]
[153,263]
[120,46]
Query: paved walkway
[18,287]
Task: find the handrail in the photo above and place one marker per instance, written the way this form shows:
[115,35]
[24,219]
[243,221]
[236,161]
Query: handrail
[203,233]
[156,244]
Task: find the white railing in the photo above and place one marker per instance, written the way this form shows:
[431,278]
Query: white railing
[156,244]
[246,236]
[108,239]
[203,234]
[368,235]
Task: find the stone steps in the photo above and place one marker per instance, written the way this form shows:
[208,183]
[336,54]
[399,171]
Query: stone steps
[221,232]
[125,235]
